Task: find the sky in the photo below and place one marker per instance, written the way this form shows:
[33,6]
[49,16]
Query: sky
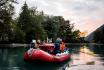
[86,15]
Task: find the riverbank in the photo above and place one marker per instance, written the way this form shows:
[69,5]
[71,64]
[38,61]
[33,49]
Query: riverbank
[13,45]
[27,45]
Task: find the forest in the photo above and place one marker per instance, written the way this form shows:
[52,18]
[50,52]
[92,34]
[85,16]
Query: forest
[33,24]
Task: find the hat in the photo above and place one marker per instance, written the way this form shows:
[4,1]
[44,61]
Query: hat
[34,41]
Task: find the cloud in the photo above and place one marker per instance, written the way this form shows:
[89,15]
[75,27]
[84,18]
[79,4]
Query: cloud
[80,12]
[78,7]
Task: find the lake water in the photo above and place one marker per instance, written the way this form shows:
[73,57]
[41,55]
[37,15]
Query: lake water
[91,56]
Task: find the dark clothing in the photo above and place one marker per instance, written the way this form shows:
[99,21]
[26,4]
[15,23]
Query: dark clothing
[32,45]
[57,48]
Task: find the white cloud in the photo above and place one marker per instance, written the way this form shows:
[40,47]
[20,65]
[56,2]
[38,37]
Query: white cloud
[78,11]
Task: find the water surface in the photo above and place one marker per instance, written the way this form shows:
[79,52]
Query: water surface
[12,59]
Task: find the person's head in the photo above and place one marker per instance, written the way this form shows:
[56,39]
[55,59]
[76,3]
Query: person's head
[50,40]
[60,40]
[33,41]
[38,41]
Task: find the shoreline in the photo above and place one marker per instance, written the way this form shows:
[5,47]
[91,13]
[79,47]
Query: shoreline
[13,45]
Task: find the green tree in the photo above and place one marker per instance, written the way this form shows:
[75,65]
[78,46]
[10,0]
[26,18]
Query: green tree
[57,26]
[50,26]
[25,22]
[75,36]
[6,12]
[37,19]
[30,23]
[18,36]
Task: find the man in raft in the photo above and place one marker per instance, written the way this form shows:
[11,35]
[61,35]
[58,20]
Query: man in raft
[33,44]
[32,47]
[57,46]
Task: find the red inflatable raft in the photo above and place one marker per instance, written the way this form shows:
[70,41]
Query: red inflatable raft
[38,54]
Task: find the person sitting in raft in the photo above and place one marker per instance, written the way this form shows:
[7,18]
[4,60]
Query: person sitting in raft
[57,46]
[32,47]
[33,44]
[38,43]
[62,46]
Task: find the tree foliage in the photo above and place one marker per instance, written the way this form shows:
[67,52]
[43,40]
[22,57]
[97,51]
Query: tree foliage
[25,21]
[6,12]
[33,24]
[57,26]
[30,23]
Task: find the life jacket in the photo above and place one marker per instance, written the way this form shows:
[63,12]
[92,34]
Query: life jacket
[62,46]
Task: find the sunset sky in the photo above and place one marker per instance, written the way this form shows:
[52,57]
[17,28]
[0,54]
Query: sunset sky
[87,15]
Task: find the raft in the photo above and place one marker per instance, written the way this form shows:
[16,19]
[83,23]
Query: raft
[41,55]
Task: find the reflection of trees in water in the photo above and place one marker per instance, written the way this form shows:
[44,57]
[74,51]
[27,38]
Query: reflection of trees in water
[74,48]
[97,49]
[11,57]
[3,57]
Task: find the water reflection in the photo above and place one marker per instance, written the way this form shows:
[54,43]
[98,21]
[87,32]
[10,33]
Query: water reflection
[89,57]
[12,59]
[83,56]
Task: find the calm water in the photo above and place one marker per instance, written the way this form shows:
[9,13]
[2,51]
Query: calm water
[12,59]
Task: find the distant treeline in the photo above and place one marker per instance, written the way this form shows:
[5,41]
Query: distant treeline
[33,24]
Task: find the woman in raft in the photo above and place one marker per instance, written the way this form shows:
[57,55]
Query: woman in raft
[59,46]
[62,46]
